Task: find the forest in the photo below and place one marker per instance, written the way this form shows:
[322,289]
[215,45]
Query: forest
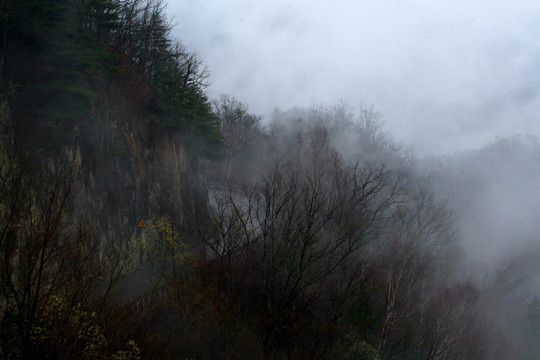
[141,219]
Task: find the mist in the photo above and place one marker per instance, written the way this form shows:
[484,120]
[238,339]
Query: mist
[446,76]
[447,80]
[457,84]
[494,190]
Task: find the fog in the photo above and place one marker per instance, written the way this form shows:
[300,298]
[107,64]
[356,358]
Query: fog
[449,79]
[494,191]
[446,76]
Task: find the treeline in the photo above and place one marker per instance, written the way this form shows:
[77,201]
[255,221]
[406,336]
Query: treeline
[66,62]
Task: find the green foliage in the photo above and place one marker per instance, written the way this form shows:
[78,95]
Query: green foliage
[119,148]
[164,248]
[361,350]
[177,100]
[77,49]
[50,37]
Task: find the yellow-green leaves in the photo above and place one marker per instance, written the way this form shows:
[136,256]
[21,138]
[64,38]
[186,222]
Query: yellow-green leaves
[163,248]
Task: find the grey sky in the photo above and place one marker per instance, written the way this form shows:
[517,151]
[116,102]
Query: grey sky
[447,75]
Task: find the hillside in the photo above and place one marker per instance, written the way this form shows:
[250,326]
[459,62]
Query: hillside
[99,86]
[140,220]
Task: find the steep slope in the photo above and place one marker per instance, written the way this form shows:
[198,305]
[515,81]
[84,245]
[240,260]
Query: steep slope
[99,87]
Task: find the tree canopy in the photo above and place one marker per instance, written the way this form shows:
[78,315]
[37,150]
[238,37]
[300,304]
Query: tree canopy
[63,58]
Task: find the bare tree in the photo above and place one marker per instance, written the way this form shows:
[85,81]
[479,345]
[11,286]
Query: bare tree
[46,258]
[298,237]
[241,131]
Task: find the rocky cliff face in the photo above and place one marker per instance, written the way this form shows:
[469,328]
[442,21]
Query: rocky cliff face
[125,169]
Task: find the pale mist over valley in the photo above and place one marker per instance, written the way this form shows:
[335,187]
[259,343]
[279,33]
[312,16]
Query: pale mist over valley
[457,83]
